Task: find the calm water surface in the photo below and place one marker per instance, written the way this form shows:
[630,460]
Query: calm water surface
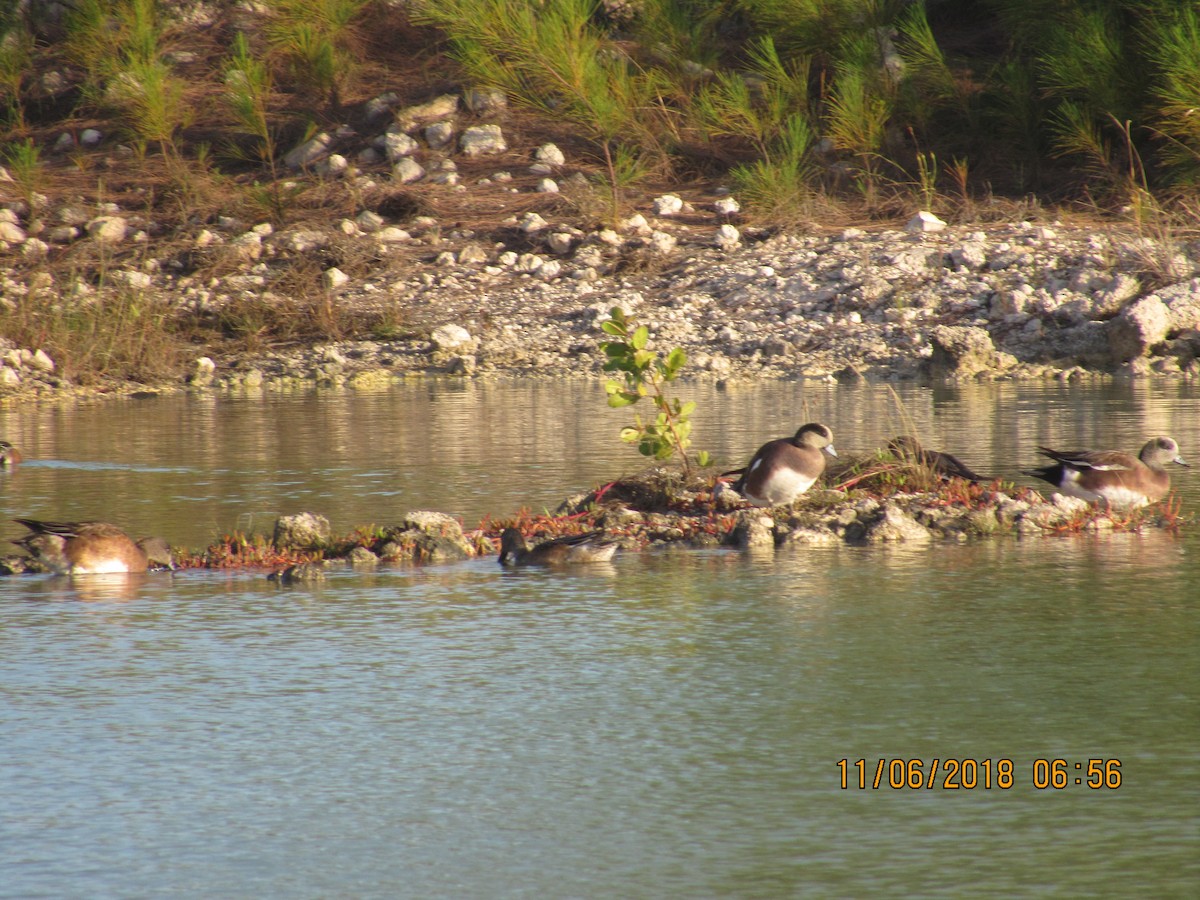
[666,725]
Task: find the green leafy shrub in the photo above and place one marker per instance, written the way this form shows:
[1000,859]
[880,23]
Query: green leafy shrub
[646,375]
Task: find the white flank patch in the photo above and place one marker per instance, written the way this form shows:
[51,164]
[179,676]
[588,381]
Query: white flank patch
[784,487]
[1116,495]
[108,567]
[1124,497]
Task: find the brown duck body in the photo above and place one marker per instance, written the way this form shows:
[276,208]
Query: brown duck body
[783,469]
[575,548]
[9,455]
[1112,477]
[943,465]
[92,548]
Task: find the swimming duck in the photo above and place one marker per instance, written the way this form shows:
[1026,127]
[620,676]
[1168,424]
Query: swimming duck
[574,548]
[92,548]
[9,455]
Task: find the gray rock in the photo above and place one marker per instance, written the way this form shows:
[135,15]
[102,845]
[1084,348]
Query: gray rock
[726,206]
[439,134]
[369,221]
[727,237]
[390,234]
[1140,326]
[1183,304]
[924,223]
[442,107]
[62,234]
[1085,344]
[450,337]
[380,106]
[398,145]
[11,233]
[667,205]
[560,242]
[485,101]
[247,246]
[425,536]
[407,170]
[753,530]
[334,165]
[334,278]
[1116,292]
[361,557]
[482,139]
[963,351]
[303,531]
[107,229]
[894,525]
[301,573]
[970,255]
[550,155]
[662,242]
[532,222]
[309,152]
[472,255]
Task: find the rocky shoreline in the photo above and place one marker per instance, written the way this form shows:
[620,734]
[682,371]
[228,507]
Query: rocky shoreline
[923,301]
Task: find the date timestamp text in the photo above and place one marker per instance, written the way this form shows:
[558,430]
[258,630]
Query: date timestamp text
[953,774]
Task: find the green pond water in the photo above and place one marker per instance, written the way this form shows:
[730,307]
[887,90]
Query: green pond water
[667,725]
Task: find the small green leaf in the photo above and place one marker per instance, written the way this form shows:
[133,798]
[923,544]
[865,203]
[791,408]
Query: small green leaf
[676,359]
[703,458]
[613,328]
[640,337]
[629,435]
[687,409]
[616,401]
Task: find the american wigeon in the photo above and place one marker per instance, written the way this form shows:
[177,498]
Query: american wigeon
[574,548]
[908,449]
[1110,476]
[784,469]
[9,455]
[92,548]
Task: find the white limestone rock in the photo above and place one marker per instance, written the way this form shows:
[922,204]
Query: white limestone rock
[924,222]
[479,140]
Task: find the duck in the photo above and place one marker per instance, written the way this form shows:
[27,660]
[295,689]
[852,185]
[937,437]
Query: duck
[9,455]
[908,449]
[1111,477]
[783,469]
[92,548]
[574,548]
